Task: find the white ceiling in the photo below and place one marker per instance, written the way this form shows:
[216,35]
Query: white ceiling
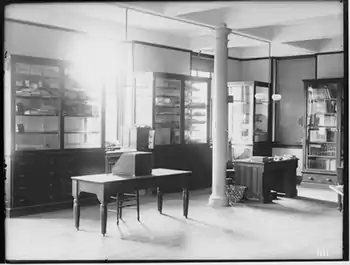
[294,23]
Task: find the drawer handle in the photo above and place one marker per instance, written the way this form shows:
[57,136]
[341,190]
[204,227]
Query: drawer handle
[21,200]
[22,188]
[329,180]
[21,176]
[22,163]
[311,178]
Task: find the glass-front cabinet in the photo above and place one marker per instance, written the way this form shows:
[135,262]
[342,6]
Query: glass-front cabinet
[249,128]
[54,106]
[36,90]
[323,148]
[176,106]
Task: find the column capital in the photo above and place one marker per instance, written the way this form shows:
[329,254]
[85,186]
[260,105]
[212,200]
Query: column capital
[222,31]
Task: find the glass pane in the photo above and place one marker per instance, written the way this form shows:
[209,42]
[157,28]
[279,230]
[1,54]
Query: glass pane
[321,163]
[167,111]
[82,102]
[261,114]
[203,74]
[79,140]
[322,127]
[241,152]
[196,116]
[240,113]
[36,141]
[37,106]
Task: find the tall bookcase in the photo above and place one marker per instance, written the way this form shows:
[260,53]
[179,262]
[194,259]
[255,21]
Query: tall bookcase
[323,139]
[54,129]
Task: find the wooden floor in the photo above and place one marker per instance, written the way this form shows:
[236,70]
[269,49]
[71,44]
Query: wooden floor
[300,228]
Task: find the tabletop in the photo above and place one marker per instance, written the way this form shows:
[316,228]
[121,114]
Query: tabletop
[105,178]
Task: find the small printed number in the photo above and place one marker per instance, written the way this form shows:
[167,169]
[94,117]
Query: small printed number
[322,252]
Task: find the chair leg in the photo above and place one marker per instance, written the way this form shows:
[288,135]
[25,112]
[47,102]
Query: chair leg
[118,208]
[138,205]
[121,208]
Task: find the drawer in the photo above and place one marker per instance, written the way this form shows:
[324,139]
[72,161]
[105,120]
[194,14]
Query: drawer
[321,179]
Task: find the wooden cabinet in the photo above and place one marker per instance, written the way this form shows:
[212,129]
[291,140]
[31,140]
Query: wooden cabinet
[324,127]
[54,129]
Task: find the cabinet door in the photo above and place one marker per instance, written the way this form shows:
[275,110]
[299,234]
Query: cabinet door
[241,113]
[167,111]
[196,111]
[261,114]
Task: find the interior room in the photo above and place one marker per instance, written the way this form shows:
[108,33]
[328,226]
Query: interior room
[175,131]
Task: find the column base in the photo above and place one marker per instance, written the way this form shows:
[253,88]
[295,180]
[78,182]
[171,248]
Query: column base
[218,201]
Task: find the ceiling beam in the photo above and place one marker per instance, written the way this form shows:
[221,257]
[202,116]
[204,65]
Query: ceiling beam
[183,8]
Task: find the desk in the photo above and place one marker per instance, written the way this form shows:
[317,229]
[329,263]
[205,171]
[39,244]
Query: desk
[262,177]
[106,185]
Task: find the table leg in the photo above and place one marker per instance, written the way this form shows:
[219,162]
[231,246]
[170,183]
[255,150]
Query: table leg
[103,216]
[160,199]
[76,211]
[76,206]
[340,204]
[185,200]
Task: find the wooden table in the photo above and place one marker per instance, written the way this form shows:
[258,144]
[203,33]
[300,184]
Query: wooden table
[339,189]
[262,177]
[107,185]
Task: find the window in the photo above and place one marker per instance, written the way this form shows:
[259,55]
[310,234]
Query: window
[201,73]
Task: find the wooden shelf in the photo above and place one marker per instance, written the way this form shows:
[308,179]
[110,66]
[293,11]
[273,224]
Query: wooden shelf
[315,142]
[322,156]
[37,97]
[81,132]
[37,115]
[37,132]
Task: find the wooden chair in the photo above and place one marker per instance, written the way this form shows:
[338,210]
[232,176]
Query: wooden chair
[126,199]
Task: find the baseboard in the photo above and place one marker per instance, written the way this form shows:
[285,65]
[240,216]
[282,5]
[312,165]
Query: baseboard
[35,209]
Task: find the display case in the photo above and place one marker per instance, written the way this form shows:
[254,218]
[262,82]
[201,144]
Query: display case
[249,129]
[52,131]
[176,106]
[323,146]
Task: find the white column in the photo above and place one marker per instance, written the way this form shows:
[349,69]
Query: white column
[220,119]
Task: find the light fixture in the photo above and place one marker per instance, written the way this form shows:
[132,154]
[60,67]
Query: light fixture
[276,97]
[259,96]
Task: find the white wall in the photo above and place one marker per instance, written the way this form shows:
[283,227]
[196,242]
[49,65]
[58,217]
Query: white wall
[330,65]
[255,70]
[234,71]
[148,58]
